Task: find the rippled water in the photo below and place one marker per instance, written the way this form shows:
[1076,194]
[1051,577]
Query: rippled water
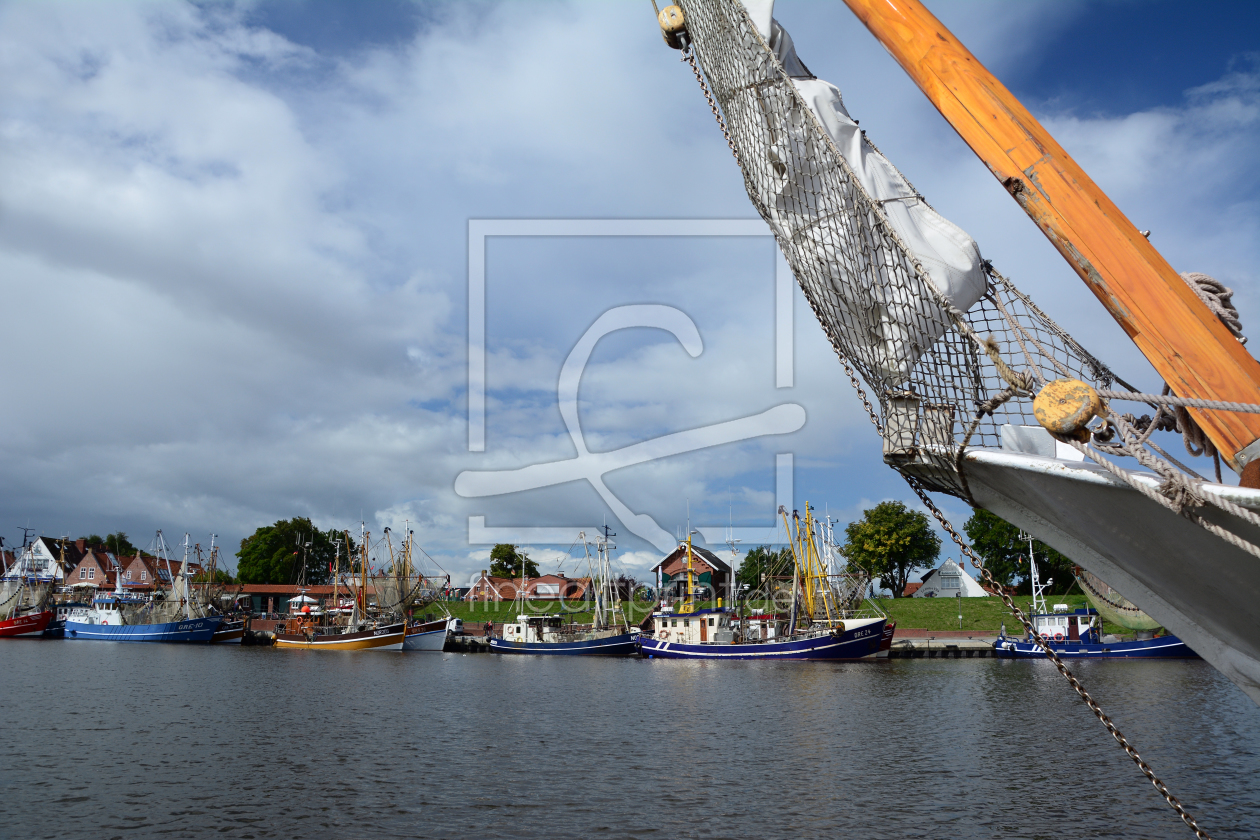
[113,740]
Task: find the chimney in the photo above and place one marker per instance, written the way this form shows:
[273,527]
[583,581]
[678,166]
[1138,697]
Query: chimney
[79,544]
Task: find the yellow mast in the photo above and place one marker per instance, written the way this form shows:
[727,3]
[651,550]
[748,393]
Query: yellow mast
[689,600]
[1176,332]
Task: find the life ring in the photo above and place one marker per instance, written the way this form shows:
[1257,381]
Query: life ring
[1058,637]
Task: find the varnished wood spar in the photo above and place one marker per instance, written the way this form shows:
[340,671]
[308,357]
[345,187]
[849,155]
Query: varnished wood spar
[1176,332]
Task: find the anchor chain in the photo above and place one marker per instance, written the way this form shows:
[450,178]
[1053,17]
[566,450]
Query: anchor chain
[1102,716]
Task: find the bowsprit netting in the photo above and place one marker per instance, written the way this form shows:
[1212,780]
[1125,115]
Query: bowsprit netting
[932,352]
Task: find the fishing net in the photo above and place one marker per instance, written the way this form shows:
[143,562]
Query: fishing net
[935,357]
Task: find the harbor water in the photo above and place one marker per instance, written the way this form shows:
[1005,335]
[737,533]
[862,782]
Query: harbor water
[110,740]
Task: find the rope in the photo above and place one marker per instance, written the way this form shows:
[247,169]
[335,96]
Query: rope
[1179,402]
[1216,295]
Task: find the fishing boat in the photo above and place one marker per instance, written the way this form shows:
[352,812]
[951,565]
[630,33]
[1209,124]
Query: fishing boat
[120,617]
[1078,635]
[361,630]
[430,635]
[26,594]
[608,634]
[978,393]
[404,589]
[822,622]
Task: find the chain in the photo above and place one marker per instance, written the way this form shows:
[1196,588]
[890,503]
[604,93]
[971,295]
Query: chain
[1058,663]
[690,57]
[1129,749]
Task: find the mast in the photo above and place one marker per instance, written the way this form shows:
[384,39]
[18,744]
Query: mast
[328,619]
[1176,332]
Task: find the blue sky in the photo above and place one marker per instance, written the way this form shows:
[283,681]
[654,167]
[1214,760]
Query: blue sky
[234,248]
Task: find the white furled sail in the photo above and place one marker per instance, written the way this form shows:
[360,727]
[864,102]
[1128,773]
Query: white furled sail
[896,331]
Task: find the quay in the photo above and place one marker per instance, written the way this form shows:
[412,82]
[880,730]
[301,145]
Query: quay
[912,643]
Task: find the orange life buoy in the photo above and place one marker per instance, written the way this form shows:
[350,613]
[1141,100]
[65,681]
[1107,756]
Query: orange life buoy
[1058,637]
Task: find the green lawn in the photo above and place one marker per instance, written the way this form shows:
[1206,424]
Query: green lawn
[979,615]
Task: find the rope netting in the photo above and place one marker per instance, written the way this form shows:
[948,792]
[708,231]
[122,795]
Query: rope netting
[933,368]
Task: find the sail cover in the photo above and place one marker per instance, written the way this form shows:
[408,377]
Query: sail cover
[894,330]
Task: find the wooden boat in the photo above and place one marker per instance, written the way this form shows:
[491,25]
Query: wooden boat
[297,634]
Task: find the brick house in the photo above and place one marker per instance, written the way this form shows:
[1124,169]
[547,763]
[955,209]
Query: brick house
[543,587]
[710,571]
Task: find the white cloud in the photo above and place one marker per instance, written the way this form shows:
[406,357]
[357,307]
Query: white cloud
[235,268]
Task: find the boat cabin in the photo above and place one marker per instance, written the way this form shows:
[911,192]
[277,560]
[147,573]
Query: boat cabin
[534,628]
[1061,626]
[707,625]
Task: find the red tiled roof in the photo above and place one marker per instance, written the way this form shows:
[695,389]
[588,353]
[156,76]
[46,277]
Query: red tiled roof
[912,588]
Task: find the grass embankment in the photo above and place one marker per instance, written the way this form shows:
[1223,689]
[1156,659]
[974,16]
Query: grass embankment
[983,616]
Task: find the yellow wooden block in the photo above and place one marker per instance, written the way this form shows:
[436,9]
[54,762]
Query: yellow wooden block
[1065,406]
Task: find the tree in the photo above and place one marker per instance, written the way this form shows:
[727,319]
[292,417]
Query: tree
[1005,554]
[276,553]
[117,543]
[505,562]
[891,542]
[760,561]
[624,586]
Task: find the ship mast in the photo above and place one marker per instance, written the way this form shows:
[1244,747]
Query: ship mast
[1177,333]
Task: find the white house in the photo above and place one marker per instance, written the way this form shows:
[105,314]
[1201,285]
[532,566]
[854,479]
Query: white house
[44,560]
[947,582]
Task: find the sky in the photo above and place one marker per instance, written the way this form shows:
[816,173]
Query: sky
[235,257]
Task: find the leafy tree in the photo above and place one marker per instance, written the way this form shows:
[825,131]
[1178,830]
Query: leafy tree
[117,543]
[505,562]
[891,542]
[763,560]
[220,576]
[624,586]
[1005,555]
[275,553]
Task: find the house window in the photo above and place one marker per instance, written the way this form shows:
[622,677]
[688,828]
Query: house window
[128,574]
[949,582]
[82,574]
[91,574]
[143,574]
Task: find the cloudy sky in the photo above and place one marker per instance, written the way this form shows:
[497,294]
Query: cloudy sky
[234,249]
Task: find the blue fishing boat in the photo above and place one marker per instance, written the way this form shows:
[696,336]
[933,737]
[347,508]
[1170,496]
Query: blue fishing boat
[825,621]
[609,634]
[106,621]
[120,617]
[550,635]
[1078,635]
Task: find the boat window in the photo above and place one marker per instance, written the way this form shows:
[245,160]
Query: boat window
[710,622]
[686,622]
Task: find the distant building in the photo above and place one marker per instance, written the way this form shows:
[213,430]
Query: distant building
[49,559]
[543,587]
[947,582]
[710,572]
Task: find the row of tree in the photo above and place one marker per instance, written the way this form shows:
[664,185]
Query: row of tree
[892,542]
